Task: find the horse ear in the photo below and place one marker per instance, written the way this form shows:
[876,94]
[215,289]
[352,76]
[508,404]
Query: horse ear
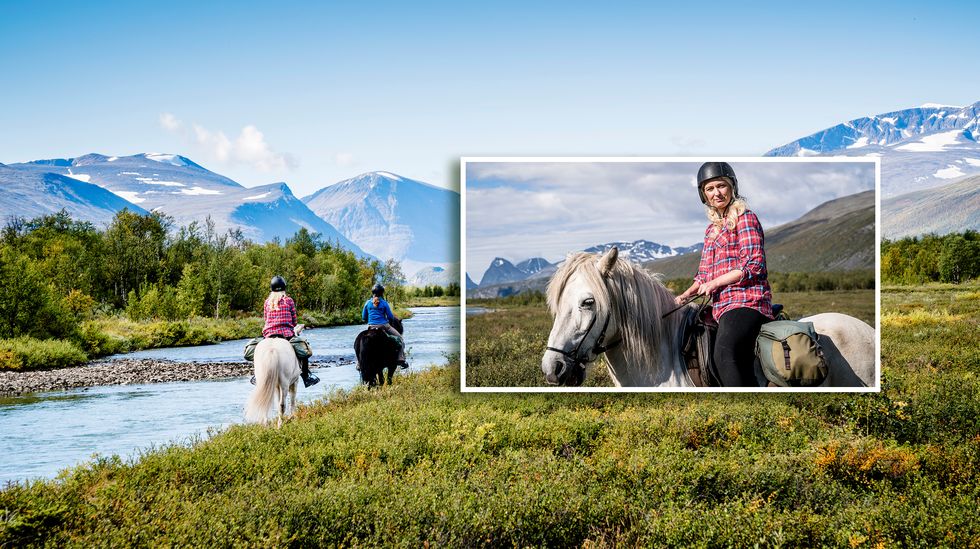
[608,260]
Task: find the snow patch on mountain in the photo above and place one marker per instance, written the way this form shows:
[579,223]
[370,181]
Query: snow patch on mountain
[952,172]
[172,159]
[199,190]
[937,142]
[79,176]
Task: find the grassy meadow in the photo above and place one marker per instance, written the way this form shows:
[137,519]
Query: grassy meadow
[504,347]
[421,464]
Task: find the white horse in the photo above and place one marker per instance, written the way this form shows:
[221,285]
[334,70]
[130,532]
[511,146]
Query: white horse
[277,372]
[606,305]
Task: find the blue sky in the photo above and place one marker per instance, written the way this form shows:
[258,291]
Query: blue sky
[313,94]
[522,209]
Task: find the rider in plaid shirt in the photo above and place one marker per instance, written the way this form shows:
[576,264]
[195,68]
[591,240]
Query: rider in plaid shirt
[733,273]
[280,320]
[737,249]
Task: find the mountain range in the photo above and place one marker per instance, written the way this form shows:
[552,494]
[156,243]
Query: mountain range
[180,188]
[30,193]
[927,155]
[836,235]
[504,278]
[376,215]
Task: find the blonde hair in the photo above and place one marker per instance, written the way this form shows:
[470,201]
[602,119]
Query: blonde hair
[736,208]
[274,298]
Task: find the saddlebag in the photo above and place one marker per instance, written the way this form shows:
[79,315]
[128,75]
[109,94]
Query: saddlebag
[790,355]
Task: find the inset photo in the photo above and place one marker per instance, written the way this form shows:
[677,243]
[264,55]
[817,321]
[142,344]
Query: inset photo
[670,274]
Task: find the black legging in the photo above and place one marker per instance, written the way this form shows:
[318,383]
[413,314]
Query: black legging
[735,346]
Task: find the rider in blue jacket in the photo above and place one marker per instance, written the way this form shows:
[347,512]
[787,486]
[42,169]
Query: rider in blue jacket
[377,313]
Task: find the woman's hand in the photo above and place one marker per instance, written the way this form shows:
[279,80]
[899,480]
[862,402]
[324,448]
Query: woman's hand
[708,288]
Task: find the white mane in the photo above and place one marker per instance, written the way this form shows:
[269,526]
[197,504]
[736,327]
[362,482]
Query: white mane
[649,348]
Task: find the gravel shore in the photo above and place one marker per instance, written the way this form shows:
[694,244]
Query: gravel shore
[127,372]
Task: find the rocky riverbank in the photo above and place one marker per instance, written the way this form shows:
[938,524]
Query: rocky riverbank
[127,372]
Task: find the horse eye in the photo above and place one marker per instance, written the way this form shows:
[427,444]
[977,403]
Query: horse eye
[588,303]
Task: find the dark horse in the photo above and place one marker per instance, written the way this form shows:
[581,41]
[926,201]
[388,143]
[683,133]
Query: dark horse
[377,352]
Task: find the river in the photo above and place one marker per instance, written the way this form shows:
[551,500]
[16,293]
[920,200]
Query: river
[44,433]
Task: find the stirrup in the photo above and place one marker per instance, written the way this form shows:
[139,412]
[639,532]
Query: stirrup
[309,379]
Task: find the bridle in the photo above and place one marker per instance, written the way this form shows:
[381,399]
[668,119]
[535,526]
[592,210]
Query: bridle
[596,350]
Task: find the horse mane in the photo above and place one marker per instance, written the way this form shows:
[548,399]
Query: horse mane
[640,299]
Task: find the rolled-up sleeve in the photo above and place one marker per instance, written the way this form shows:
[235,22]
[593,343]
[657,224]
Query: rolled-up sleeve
[751,254]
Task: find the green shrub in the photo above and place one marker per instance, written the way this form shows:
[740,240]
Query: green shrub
[27,353]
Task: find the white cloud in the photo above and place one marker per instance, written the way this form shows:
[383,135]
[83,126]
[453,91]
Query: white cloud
[170,123]
[249,148]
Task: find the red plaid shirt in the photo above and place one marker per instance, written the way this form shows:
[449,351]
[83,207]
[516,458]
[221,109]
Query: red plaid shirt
[741,248]
[282,320]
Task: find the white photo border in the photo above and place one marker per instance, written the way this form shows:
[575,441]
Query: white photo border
[466,160]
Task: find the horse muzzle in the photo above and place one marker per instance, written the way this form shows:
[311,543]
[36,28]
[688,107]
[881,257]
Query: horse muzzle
[561,370]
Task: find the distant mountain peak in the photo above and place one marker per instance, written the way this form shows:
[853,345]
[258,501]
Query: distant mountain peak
[172,159]
[392,216]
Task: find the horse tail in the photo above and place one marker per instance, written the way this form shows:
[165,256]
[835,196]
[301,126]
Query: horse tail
[266,384]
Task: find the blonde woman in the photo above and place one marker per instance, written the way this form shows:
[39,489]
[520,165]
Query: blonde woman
[280,321]
[732,272]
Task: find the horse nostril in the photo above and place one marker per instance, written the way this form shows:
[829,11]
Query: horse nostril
[561,371]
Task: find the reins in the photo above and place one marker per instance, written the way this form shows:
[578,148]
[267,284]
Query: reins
[685,304]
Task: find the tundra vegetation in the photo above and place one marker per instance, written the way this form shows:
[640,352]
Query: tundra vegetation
[71,292]
[421,463]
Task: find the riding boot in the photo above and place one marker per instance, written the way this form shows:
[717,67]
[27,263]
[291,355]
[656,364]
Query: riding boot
[308,378]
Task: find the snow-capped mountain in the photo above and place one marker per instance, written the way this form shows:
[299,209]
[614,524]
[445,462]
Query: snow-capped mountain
[533,265]
[393,217]
[501,271]
[922,147]
[469,282]
[642,250]
[178,187]
[435,276]
[29,194]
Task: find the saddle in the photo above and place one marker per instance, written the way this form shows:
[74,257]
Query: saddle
[698,344]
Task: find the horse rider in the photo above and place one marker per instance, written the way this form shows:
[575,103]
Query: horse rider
[377,313]
[279,311]
[732,272]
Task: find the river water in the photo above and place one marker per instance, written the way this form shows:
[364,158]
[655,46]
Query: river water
[44,433]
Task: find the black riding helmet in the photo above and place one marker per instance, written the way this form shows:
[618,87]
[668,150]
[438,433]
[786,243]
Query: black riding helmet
[715,170]
[278,284]
[378,290]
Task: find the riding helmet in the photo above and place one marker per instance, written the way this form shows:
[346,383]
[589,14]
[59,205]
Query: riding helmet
[378,290]
[714,170]
[278,284]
